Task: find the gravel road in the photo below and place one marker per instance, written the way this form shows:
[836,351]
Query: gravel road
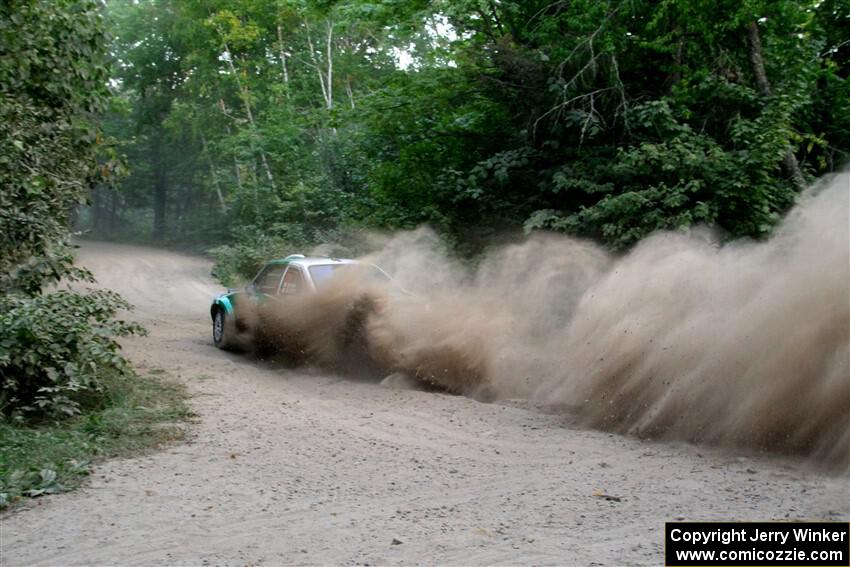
[290,467]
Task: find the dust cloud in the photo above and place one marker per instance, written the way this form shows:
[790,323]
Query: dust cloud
[742,344]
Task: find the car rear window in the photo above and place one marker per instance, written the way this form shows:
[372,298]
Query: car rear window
[322,273]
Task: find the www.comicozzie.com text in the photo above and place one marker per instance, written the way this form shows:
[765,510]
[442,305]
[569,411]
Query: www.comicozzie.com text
[743,534]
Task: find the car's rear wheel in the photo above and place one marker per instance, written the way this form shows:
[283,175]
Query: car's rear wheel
[221,331]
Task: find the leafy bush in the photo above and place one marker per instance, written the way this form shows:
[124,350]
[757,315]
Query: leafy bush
[240,261]
[56,349]
[53,83]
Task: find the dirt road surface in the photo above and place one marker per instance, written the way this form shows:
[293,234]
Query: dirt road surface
[287,467]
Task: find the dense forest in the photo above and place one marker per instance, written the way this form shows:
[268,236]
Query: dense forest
[274,125]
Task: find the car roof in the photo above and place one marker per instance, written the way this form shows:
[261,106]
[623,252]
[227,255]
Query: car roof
[312,261]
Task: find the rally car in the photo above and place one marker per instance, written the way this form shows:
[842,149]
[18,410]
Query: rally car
[285,279]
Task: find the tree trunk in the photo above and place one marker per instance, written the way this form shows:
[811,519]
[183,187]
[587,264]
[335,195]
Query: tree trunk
[283,60]
[236,171]
[113,211]
[214,175]
[186,207]
[325,95]
[348,91]
[243,91]
[160,192]
[330,63]
[789,160]
[97,209]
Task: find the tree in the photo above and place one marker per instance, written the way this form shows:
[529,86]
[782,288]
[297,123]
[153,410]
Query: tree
[56,347]
[606,119]
[53,78]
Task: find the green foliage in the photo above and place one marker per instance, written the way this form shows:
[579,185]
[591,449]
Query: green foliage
[253,248]
[241,261]
[274,124]
[136,413]
[53,78]
[57,263]
[645,116]
[674,178]
[56,350]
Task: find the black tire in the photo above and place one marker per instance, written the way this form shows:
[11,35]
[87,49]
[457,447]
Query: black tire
[222,329]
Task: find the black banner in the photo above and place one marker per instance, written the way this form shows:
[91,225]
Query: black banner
[693,544]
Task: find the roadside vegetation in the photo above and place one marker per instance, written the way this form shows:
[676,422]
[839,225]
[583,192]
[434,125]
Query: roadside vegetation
[67,395]
[134,414]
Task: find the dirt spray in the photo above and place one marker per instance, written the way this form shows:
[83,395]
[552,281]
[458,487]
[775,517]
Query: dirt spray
[742,344]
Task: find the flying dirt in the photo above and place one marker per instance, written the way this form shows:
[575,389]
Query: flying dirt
[741,344]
